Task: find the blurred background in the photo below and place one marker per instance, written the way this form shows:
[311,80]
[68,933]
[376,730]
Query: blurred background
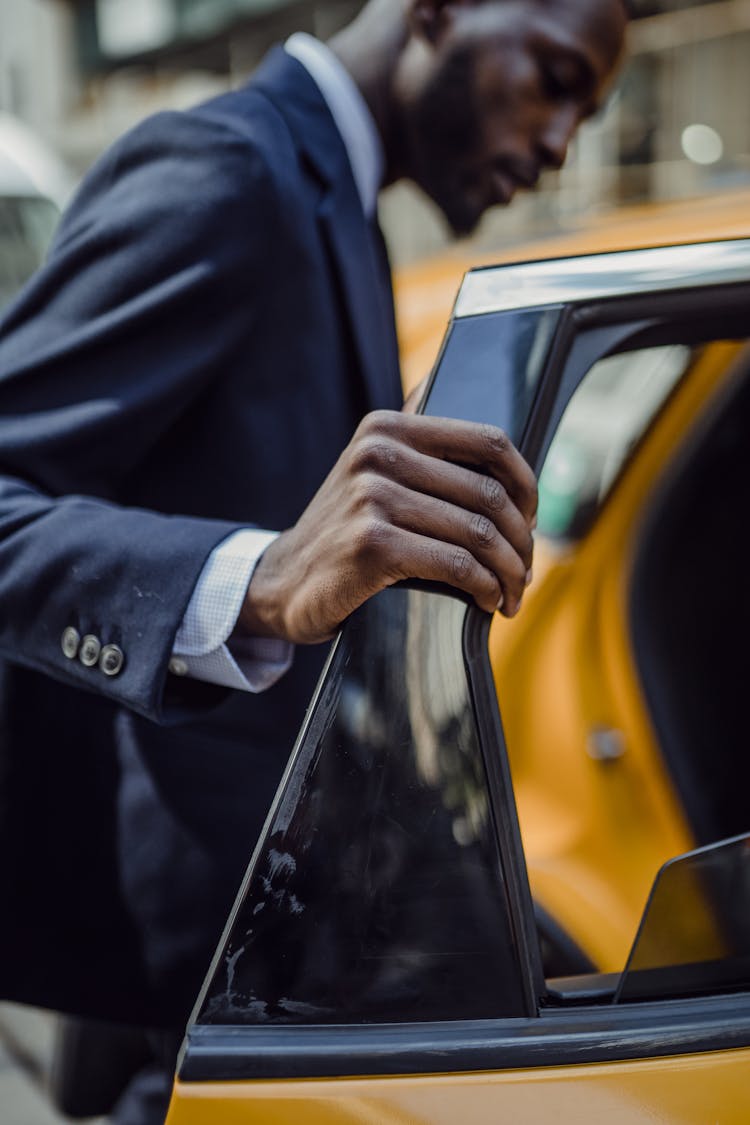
[74,74]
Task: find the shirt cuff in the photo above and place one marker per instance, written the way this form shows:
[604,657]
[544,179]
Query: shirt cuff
[201,649]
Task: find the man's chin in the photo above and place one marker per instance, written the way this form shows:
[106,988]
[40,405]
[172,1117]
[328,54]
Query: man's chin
[462,220]
[462,213]
[460,210]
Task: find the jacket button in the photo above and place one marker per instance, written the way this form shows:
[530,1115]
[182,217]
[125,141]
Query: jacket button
[70,641]
[88,654]
[111,660]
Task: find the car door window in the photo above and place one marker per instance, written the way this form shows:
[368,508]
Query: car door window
[377,892]
[608,414]
[695,932]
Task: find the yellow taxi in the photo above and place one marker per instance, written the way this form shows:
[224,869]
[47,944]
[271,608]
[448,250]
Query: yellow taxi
[507,873]
[594,837]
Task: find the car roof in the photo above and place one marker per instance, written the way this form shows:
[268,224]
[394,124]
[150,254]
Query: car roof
[425,292]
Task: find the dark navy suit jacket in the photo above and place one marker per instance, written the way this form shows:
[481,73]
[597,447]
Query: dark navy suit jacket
[214,318]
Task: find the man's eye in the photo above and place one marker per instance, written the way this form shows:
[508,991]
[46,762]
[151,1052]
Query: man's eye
[556,84]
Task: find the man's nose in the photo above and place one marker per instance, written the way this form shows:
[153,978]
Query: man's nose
[557,135]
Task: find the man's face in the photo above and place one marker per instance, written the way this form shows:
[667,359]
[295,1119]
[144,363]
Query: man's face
[499,94]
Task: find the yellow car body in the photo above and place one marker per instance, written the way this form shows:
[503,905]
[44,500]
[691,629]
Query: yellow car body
[691,1090]
[598,811]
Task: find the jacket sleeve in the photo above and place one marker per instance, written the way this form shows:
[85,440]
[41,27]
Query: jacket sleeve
[128,322]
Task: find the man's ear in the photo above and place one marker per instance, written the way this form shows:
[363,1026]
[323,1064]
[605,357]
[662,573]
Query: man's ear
[430,19]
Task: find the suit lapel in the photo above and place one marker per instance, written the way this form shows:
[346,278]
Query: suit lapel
[366,290]
[355,245]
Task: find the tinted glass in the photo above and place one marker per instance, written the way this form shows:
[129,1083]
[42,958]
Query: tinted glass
[376,893]
[491,368]
[695,933]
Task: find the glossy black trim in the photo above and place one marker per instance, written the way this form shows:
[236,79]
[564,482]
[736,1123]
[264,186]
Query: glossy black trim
[674,305]
[558,1038]
[490,368]
[535,431]
[634,322]
[502,802]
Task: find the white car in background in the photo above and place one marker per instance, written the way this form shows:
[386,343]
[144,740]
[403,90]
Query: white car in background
[34,186]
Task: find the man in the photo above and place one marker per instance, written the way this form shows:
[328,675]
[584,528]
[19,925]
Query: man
[188,371]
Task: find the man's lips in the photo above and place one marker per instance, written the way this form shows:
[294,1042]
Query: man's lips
[527,180]
[506,179]
[503,187]
[499,184]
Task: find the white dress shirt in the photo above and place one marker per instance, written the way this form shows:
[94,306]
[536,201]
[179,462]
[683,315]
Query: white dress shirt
[201,647]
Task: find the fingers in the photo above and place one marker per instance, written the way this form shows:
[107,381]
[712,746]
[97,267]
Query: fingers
[466,443]
[504,555]
[474,492]
[473,533]
[410,555]
[410,497]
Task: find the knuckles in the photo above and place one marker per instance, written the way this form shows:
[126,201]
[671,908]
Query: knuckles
[371,538]
[461,564]
[379,423]
[493,496]
[375,453]
[495,442]
[482,531]
[370,494]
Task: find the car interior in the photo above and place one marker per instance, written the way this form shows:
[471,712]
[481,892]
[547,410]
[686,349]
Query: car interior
[690,615]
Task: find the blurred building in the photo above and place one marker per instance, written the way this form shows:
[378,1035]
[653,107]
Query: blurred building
[82,71]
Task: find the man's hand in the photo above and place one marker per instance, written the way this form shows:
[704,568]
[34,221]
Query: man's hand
[410,497]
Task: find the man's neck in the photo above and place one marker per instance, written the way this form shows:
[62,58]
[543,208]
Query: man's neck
[369,49]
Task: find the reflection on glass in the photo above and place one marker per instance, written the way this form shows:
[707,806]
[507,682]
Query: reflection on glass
[376,893]
[491,368]
[695,932]
[608,414]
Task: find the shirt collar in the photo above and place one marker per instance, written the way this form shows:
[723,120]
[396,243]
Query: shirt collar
[350,113]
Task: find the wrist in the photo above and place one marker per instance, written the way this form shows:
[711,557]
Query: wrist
[262,613]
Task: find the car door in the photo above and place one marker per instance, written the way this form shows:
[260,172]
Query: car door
[384,960]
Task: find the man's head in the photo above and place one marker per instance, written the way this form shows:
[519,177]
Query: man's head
[486,95]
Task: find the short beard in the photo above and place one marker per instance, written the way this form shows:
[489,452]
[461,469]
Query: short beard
[443,130]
